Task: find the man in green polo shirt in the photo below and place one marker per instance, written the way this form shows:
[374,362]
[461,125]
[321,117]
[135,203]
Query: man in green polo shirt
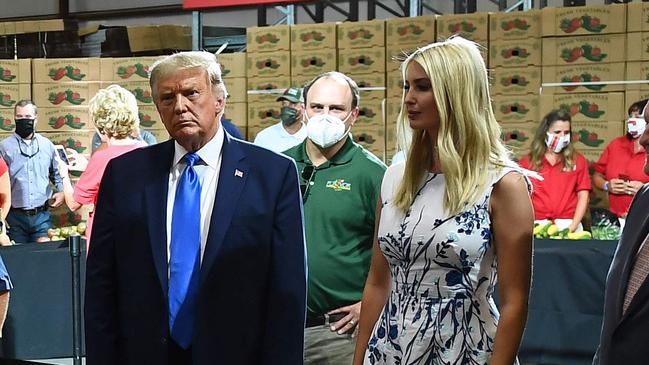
[341,182]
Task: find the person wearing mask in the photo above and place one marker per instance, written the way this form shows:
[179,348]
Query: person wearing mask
[562,196]
[619,170]
[340,185]
[34,177]
[625,323]
[115,114]
[290,131]
[454,217]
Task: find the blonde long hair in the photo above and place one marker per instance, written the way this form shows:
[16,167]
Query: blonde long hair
[468,140]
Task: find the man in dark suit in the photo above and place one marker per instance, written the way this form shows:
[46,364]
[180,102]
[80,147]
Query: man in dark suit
[626,304]
[243,301]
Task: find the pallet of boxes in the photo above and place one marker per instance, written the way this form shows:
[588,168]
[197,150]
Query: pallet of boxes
[233,72]
[402,37]
[268,71]
[61,89]
[515,60]
[586,44]
[361,56]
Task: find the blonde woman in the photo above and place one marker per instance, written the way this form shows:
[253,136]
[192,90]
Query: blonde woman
[454,214]
[115,114]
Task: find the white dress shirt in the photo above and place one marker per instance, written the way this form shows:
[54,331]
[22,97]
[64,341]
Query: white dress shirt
[208,173]
[277,139]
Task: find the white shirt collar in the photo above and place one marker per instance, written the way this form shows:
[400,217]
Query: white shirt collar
[210,153]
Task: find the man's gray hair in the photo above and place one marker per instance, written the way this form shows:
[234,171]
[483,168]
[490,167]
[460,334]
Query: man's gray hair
[188,60]
[26,102]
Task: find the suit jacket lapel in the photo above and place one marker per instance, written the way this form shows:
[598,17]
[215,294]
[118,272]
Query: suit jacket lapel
[156,207]
[232,177]
[636,237]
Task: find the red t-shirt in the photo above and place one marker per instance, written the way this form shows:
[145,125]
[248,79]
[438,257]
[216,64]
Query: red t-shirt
[618,159]
[556,196]
[3,170]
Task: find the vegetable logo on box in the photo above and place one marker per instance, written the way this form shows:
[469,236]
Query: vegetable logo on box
[266,38]
[146,121]
[514,135]
[462,26]
[584,77]
[312,62]
[587,51]
[366,112]
[267,63]
[268,113]
[514,52]
[7,125]
[360,34]
[67,95]
[312,36]
[360,60]
[142,95]
[591,24]
[514,108]
[125,72]
[71,143]
[6,100]
[590,139]
[409,28]
[68,119]
[591,110]
[518,24]
[5,75]
[72,73]
[514,80]
[364,138]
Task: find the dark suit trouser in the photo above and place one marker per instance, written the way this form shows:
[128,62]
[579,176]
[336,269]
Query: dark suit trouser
[179,356]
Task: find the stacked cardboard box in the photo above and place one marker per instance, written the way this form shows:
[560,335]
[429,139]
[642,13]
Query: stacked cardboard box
[132,73]
[313,51]
[637,51]
[15,84]
[402,37]
[233,71]
[62,89]
[515,59]
[583,44]
[361,55]
[268,68]
[470,26]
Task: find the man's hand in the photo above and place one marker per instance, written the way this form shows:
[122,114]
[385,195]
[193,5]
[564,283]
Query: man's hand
[617,186]
[633,187]
[347,323]
[57,199]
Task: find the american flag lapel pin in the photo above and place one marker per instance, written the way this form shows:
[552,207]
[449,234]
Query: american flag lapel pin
[238,173]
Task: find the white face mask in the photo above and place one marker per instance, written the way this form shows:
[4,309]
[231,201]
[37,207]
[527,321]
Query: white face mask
[636,126]
[557,143]
[326,130]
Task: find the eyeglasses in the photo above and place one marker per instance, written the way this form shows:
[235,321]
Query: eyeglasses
[20,146]
[307,175]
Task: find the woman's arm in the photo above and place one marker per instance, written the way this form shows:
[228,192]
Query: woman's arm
[512,221]
[375,294]
[582,205]
[599,180]
[5,194]
[68,189]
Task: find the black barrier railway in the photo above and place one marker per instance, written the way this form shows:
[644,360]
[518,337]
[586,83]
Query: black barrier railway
[565,312]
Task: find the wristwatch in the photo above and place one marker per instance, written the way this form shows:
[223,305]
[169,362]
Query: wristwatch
[605,185]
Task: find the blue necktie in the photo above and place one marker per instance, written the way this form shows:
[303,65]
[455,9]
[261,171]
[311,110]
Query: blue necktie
[185,260]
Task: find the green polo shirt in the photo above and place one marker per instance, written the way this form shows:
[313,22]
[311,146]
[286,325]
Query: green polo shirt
[339,215]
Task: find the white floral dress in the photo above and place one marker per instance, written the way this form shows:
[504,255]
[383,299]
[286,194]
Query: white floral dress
[440,310]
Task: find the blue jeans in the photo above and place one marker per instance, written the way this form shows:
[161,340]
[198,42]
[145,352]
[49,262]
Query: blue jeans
[24,228]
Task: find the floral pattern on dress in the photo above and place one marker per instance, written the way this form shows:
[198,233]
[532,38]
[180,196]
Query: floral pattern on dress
[440,309]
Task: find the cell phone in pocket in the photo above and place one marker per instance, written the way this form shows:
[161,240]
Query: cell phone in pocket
[62,154]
